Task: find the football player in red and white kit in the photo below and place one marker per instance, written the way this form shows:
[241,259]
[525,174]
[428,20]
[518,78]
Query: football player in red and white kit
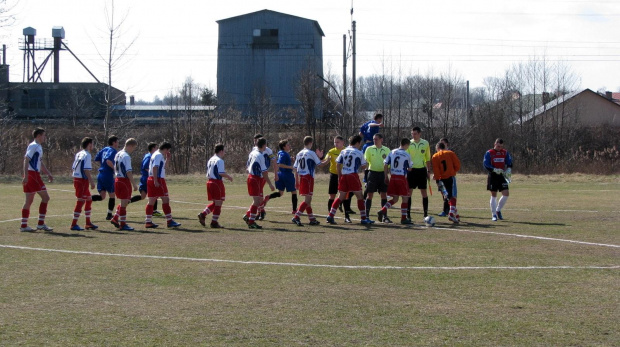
[498,162]
[157,188]
[216,191]
[32,182]
[270,162]
[83,183]
[306,162]
[350,161]
[395,167]
[257,177]
[123,183]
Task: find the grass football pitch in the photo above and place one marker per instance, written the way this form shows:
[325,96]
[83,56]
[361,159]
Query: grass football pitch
[549,274]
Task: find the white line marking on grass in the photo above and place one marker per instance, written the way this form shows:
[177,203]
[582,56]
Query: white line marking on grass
[532,237]
[61,190]
[353,267]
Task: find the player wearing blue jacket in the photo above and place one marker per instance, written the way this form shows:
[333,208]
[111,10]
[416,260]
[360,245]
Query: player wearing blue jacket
[105,178]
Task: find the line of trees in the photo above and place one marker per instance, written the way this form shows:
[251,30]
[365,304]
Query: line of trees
[437,102]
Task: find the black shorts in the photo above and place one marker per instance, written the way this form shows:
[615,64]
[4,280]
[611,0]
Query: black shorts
[417,178]
[450,185]
[376,182]
[496,183]
[333,184]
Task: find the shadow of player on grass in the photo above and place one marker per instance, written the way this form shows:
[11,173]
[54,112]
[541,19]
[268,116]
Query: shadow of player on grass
[55,233]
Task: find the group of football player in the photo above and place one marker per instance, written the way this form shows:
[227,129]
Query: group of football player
[394,174]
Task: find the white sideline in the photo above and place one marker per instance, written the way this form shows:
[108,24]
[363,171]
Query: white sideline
[354,267]
[534,237]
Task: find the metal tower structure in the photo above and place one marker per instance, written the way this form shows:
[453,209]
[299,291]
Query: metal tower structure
[30,45]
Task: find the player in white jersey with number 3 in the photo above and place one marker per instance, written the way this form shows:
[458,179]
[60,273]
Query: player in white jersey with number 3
[397,165]
[216,191]
[350,161]
[306,162]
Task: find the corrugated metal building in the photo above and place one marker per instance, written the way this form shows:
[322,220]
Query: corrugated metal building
[265,52]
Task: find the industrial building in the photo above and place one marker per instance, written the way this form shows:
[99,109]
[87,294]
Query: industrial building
[32,99]
[264,54]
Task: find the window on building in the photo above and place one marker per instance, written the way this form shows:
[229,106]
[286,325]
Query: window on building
[33,98]
[265,39]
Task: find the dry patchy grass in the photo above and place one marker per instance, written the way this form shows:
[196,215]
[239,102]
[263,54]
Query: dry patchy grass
[80,299]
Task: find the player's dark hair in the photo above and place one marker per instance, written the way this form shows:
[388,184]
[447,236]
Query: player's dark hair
[416,129]
[444,140]
[404,141]
[378,115]
[86,141]
[38,131]
[308,140]
[218,148]
[441,145]
[112,139]
[262,142]
[152,145]
[339,138]
[354,140]
[258,136]
[500,141]
[379,135]
[165,145]
[282,144]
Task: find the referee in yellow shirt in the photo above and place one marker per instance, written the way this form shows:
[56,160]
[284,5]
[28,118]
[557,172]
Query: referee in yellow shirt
[375,182]
[420,152]
[330,157]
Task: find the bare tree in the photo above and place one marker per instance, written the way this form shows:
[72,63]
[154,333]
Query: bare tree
[308,93]
[116,52]
[262,110]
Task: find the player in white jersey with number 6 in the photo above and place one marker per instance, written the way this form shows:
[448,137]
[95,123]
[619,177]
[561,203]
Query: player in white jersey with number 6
[216,191]
[396,166]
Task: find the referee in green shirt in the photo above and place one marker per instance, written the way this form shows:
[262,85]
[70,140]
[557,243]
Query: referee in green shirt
[375,182]
[420,152]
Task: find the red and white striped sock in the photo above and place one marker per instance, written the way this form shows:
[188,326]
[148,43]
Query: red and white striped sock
[42,212]
[334,209]
[210,208]
[362,207]
[149,214]
[87,209]
[25,215]
[216,213]
[77,211]
[167,211]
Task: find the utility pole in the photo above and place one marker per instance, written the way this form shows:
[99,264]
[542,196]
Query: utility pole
[467,104]
[354,76]
[344,75]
